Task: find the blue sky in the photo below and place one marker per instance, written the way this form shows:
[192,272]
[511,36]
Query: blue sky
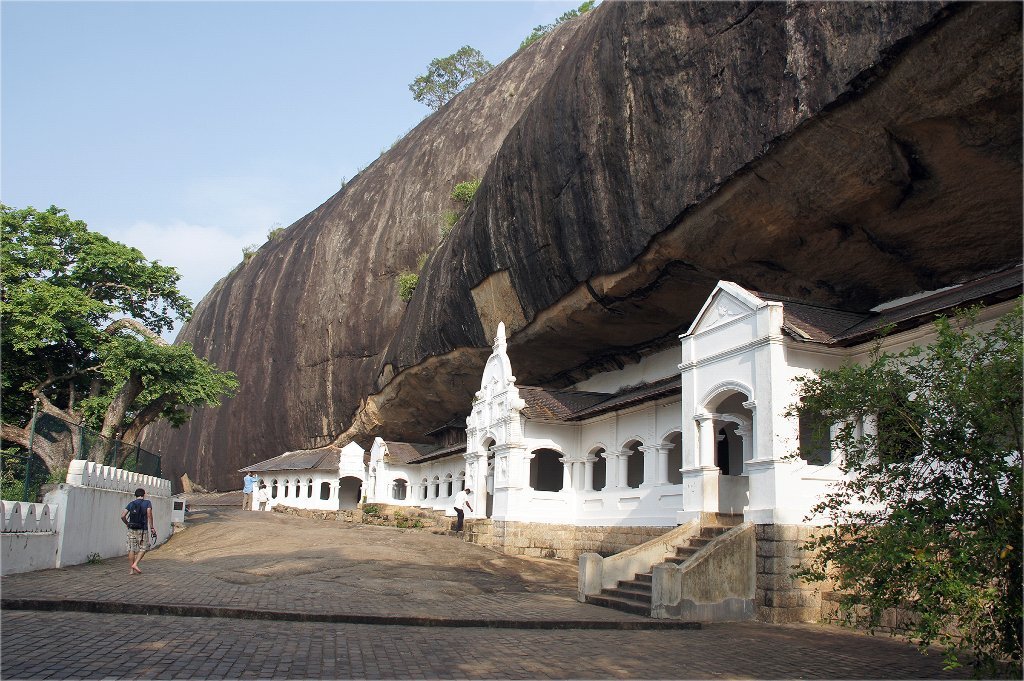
[190,129]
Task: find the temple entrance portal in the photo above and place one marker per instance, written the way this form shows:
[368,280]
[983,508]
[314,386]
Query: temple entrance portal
[350,491]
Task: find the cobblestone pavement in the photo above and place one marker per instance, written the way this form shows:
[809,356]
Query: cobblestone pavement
[269,563]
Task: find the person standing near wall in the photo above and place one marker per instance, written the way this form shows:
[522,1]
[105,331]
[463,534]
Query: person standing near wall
[138,518]
[462,501]
[262,497]
[248,483]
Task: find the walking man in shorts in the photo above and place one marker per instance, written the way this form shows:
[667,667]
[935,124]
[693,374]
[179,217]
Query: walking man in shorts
[138,518]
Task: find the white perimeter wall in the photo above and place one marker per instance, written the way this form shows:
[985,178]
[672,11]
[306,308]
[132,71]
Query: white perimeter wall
[80,518]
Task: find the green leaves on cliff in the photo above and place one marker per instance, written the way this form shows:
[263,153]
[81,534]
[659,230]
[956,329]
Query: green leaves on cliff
[927,521]
[448,76]
[542,30]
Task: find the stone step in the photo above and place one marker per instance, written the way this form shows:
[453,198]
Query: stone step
[645,577]
[625,594]
[635,586]
[621,604]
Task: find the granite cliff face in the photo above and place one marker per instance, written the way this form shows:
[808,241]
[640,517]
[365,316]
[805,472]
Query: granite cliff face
[845,153]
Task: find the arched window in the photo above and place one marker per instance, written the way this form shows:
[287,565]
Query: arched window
[398,489]
[436,484]
[448,483]
[273,489]
[286,488]
[325,490]
[423,489]
[461,480]
[546,471]
[309,488]
[634,464]
[674,459]
[600,469]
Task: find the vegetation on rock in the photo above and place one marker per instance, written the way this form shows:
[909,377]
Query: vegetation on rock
[542,30]
[448,76]
[82,317]
[928,524]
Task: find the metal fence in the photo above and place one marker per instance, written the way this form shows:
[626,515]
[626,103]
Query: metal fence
[68,441]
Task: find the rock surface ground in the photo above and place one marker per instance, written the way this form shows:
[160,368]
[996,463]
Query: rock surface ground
[482,615]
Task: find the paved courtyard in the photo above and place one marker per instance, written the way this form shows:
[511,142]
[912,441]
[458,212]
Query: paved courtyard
[250,595]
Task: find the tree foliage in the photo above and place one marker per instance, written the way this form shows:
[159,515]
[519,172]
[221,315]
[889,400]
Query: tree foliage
[448,76]
[542,30]
[929,519]
[82,317]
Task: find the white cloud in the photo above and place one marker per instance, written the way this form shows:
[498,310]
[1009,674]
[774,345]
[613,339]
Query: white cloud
[201,254]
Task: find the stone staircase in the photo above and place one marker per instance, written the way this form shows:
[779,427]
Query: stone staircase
[634,595]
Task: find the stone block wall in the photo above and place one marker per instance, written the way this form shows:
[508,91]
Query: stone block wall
[780,596]
[540,540]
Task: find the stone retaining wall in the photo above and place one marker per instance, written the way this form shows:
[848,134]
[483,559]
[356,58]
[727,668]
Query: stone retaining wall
[780,596]
[540,540]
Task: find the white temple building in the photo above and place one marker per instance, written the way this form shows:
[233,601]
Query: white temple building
[696,430]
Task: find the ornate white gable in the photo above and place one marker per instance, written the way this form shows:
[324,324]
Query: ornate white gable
[727,302]
[497,404]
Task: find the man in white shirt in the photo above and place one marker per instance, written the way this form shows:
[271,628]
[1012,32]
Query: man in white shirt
[462,501]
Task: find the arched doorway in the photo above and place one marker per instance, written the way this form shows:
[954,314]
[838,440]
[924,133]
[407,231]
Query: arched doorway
[634,463]
[350,491]
[546,471]
[731,430]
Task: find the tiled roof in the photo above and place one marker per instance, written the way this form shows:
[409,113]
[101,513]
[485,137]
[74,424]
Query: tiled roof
[831,326]
[556,405]
[440,453]
[322,458]
[569,405]
[405,452]
[628,398]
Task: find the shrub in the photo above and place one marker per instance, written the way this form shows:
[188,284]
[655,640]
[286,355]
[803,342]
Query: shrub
[371,509]
[407,282]
[275,232]
[464,191]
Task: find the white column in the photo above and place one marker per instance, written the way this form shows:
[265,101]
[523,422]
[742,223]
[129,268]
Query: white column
[650,454]
[623,465]
[706,440]
[588,474]
[566,474]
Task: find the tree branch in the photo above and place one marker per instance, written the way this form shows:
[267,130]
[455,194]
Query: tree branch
[136,326]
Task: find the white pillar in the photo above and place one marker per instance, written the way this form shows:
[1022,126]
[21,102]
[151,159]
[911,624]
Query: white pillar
[588,474]
[566,474]
[706,440]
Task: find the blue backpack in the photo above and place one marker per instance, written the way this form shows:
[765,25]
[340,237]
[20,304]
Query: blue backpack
[136,519]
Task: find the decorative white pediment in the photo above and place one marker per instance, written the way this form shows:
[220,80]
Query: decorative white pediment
[498,396]
[351,460]
[727,302]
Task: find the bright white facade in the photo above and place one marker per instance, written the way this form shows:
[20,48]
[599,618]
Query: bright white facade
[700,427]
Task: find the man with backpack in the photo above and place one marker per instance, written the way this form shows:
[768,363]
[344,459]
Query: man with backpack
[138,518]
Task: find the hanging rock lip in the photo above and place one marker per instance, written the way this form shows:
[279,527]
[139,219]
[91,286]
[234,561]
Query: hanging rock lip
[182,610]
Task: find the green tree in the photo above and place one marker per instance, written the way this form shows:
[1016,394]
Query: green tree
[82,317]
[929,519]
[542,30]
[448,76]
